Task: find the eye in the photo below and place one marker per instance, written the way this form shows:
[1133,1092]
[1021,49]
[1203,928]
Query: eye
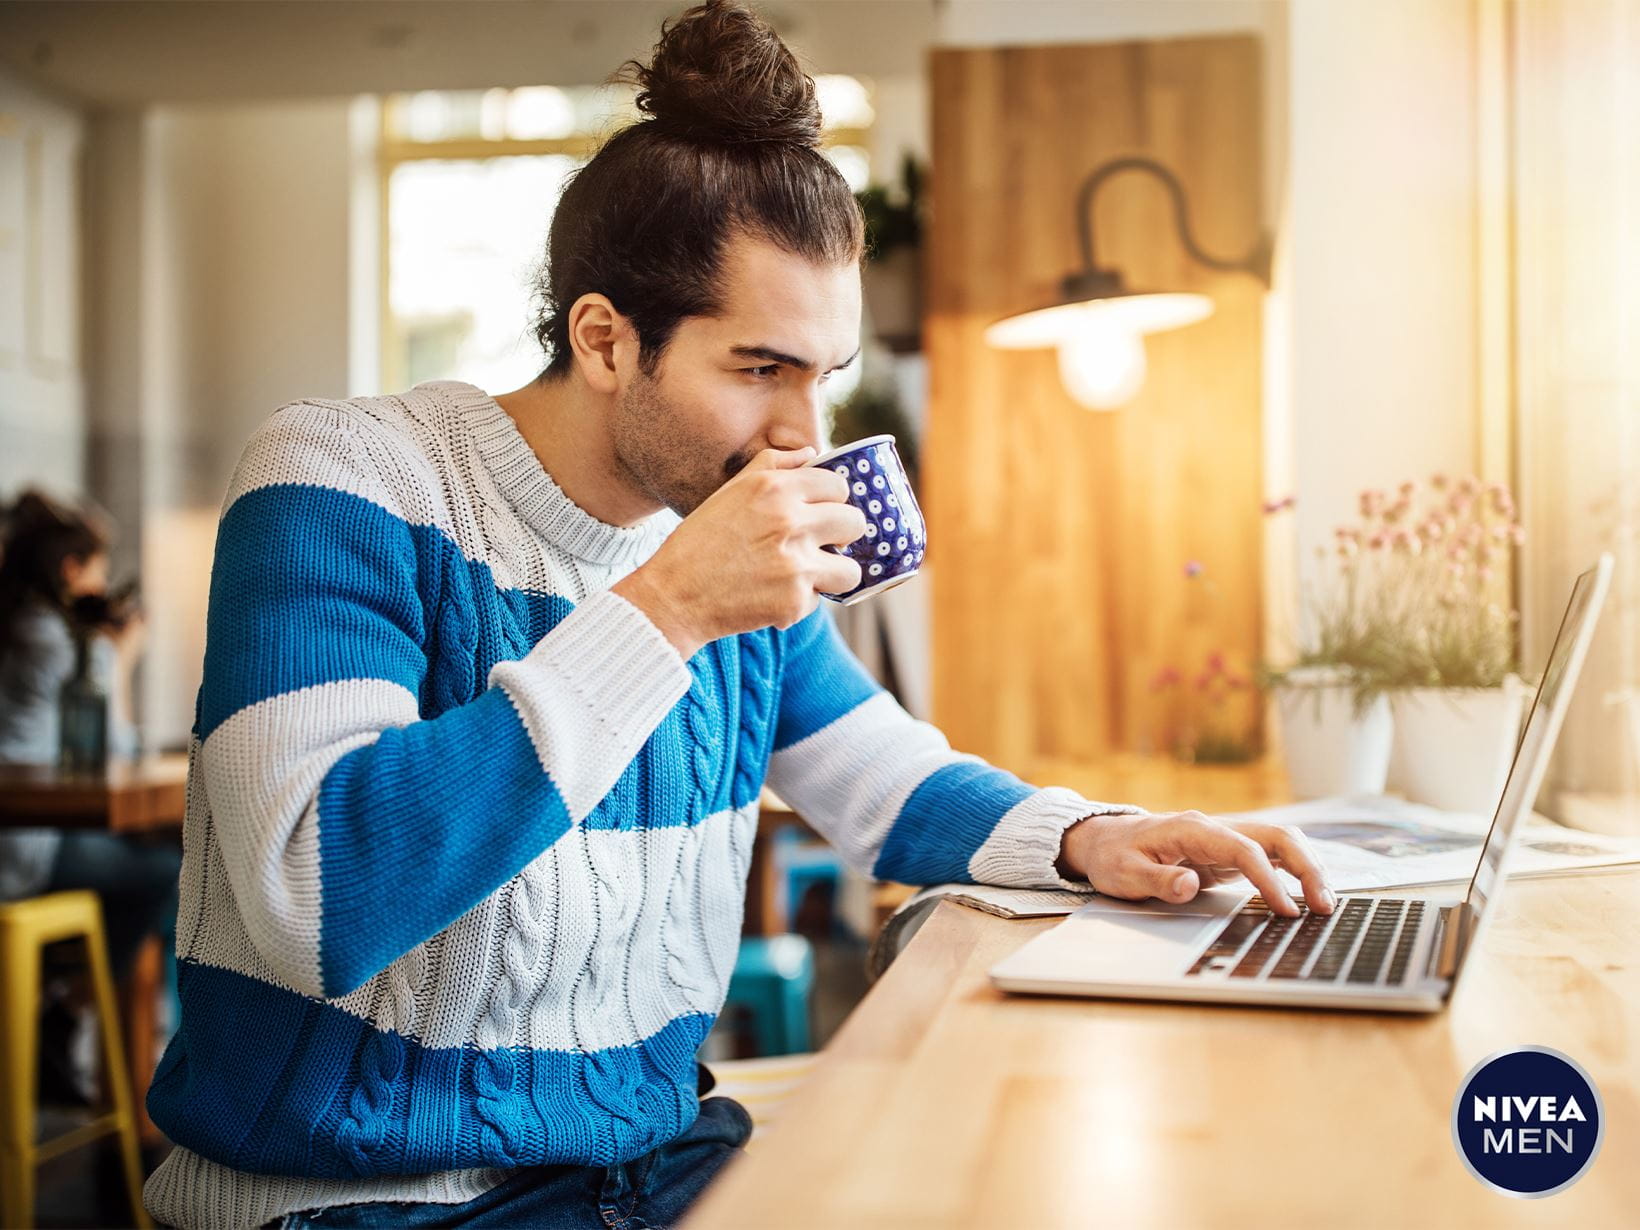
[764,372]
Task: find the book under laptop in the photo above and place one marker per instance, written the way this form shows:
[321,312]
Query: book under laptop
[1400,954]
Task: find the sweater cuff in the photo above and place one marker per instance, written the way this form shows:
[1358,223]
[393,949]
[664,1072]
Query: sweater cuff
[1024,846]
[591,693]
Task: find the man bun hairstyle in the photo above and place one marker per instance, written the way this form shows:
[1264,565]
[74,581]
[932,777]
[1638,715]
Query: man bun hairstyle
[729,144]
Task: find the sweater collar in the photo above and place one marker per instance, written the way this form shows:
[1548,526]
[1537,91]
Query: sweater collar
[533,494]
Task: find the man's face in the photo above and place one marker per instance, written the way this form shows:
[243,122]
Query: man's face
[732,385]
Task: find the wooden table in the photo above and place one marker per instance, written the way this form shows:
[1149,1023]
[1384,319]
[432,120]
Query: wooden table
[943,1102]
[131,797]
[148,795]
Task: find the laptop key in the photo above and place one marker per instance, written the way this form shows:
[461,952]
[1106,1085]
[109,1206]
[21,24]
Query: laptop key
[1369,959]
[1341,940]
[1230,940]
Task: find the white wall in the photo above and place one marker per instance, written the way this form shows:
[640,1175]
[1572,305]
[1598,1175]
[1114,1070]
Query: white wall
[1377,287]
[42,389]
[221,237]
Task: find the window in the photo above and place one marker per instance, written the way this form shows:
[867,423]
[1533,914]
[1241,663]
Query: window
[470,179]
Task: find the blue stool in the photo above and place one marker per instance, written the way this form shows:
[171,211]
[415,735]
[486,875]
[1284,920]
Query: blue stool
[802,864]
[772,980]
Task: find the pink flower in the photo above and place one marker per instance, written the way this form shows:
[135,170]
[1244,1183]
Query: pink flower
[1347,533]
[1167,677]
[1407,488]
[1439,482]
[1517,533]
[1378,540]
[1483,575]
[1456,569]
[1468,485]
[1347,547]
[1371,502]
[1215,662]
[1193,569]
[1281,505]
[1500,533]
[1405,542]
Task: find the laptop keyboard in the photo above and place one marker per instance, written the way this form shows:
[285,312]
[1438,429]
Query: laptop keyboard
[1366,941]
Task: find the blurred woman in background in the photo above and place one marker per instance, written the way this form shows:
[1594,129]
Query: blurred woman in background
[53,590]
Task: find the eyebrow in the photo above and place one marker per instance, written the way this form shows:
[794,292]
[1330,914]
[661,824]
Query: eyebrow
[771,355]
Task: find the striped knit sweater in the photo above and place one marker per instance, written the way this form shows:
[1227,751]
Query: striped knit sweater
[467,839]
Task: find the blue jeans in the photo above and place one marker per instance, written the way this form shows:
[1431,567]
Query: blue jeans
[648,1193]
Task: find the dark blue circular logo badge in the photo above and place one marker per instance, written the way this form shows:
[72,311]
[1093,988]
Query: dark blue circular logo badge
[1527,1121]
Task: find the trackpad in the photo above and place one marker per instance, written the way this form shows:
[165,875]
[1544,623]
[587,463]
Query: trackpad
[1141,942]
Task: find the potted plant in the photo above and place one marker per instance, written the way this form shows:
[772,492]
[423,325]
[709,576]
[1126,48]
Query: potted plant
[1452,659]
[1331,703]
[1204,719]
[891,282]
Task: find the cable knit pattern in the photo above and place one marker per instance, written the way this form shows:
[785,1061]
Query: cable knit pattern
[467,841]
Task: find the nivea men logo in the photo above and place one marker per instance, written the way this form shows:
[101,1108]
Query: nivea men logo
[1528,1121]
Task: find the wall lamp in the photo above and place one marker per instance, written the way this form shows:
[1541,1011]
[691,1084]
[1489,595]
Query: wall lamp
[1098,324]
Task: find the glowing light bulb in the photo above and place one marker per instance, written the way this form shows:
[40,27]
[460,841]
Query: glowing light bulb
[1102,363]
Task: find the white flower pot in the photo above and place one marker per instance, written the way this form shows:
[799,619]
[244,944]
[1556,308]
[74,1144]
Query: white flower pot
[1453,746]
[1329,748]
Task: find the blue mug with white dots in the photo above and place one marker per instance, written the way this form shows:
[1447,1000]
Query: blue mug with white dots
[891,550]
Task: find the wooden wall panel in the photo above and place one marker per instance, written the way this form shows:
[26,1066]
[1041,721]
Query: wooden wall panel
[1059,536]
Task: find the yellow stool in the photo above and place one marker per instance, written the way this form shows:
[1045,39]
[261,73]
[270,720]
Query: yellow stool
[26,927]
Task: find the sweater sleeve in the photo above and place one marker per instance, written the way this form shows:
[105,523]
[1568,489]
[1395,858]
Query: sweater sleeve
[889,793]
[358,815]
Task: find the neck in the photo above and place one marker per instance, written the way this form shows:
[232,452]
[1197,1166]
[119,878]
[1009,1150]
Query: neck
[566,425]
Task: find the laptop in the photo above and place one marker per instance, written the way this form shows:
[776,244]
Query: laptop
[1377,953]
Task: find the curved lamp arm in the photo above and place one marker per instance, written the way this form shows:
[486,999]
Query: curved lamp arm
[1256,262]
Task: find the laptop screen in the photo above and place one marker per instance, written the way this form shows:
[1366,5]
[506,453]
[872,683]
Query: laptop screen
[1543,724]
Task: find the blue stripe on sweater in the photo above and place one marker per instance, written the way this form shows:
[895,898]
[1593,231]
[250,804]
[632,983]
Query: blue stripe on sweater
[267,1081]
[821,680]
[945,820]
[417,807]
[312,585]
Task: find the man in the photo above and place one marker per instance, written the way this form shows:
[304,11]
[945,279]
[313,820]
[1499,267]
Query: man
[491,688]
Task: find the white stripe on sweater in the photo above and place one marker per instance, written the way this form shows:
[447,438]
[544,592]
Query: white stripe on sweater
[1025,844]
[262,769]
[614,1004]
[851,778]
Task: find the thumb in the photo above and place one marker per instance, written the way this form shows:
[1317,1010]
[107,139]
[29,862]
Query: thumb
[1173,883]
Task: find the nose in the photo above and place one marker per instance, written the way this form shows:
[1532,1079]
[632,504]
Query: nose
[801,422]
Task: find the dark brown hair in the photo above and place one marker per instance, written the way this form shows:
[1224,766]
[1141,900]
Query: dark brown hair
[39,534]
[730,146]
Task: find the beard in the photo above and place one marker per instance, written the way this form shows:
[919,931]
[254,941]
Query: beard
[659,453]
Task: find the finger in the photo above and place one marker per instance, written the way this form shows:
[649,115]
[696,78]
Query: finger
[818,485]
[1296,856]
[782,458]
[837,575]
[836,524]
[1193,837]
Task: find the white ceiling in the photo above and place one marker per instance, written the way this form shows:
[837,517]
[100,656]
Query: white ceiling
[125,54]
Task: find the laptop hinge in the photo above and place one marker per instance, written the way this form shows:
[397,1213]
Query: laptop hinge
[1451,932]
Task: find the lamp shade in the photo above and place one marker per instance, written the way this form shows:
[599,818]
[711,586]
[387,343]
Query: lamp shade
[1137,314]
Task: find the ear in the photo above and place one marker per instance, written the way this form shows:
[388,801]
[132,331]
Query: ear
[604,341]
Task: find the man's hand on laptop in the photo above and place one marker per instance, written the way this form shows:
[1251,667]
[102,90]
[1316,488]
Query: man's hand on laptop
[1174,855]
